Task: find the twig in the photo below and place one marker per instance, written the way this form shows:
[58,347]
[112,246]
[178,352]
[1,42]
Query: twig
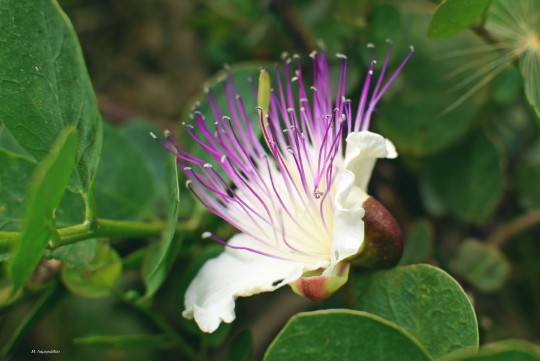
[508,230]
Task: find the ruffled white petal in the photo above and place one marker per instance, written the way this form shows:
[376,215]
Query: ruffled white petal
[363,148]
[236,273]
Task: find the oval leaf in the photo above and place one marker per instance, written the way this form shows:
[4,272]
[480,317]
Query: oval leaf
[452,16]
[426,302]
[468,178]
[343,335]
[45,85]
[159,258]
[481,264]
[47,187]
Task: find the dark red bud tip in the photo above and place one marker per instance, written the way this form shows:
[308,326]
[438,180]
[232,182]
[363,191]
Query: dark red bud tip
[319,288]
[383,240]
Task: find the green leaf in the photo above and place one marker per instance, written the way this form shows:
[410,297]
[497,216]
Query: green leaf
[97,278]
[241,347]
[508,350]
[528,173]
[483,265]
[45,86]
[453,16]
[15,173]
[419,242]
[428,108]
[468,178]
[47,186]
[160,257]
[343,335]
[125,188]
[126,342]
[138,133]
[7,142]
[71,210]
[426,302]
[76,254]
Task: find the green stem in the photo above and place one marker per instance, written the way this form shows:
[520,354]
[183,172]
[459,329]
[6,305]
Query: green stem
[101,228]
[90,211]
[159,321]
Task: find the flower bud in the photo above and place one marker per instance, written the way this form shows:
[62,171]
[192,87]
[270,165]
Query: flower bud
[383,240]
[318,287]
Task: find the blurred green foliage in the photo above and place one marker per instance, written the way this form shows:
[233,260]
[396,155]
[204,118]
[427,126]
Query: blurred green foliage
[465,189]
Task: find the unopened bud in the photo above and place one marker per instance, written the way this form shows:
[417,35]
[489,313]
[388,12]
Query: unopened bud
[318,287]
[383,240]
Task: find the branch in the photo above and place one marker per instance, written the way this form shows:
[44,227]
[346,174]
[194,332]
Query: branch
[508,230]
[101,228]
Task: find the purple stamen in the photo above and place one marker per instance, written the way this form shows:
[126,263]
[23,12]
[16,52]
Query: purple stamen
[279,191]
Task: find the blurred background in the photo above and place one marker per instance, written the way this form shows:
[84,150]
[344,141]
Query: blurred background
[465,188]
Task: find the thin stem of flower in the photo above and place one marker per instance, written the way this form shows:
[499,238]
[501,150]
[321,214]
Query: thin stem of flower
[508,230]
[102,228]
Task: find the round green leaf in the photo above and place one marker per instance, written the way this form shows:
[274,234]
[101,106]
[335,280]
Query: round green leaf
[428,303]
[97,278]
[483,265]
[343,335]
[468,178]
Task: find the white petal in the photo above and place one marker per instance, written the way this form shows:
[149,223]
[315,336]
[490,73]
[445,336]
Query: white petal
[363,148]
[236,273]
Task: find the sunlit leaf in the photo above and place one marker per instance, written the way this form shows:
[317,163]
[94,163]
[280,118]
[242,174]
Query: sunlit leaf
[45,86]
[47,186]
